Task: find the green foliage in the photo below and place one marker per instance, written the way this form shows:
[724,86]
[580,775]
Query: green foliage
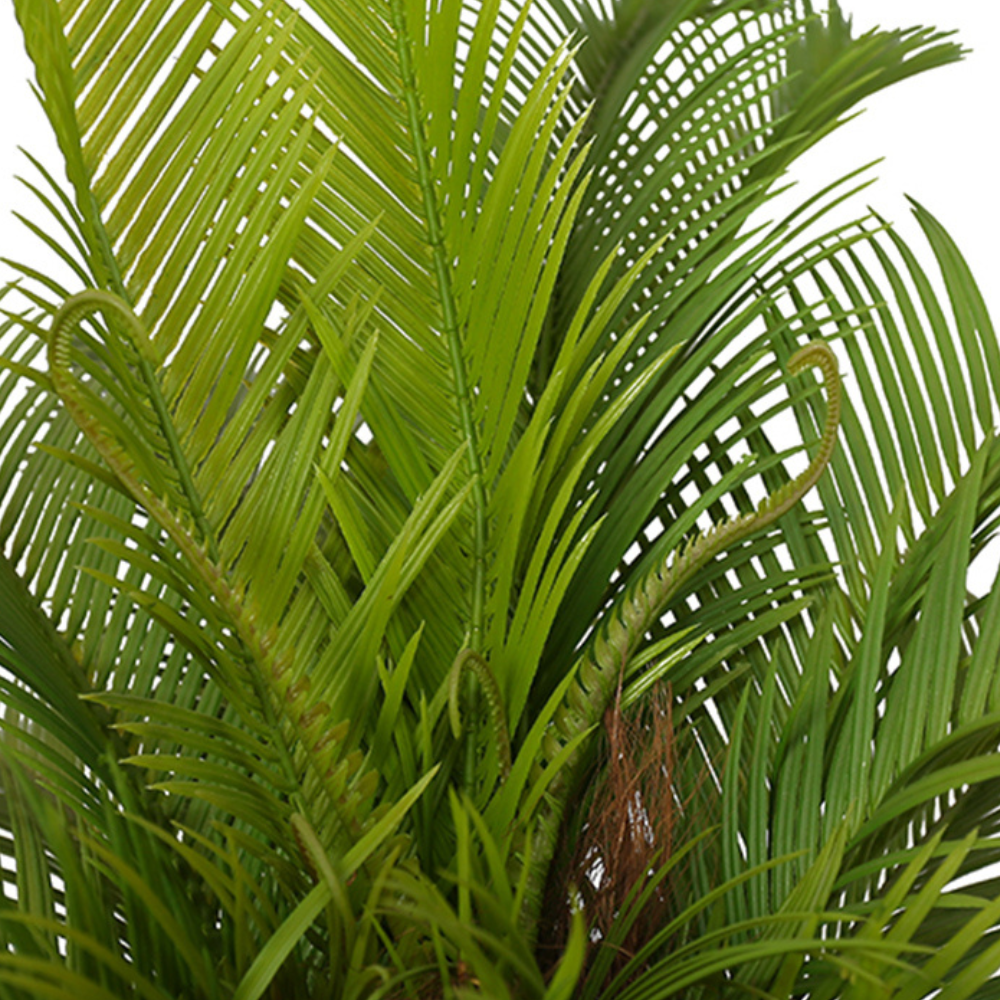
[425,458]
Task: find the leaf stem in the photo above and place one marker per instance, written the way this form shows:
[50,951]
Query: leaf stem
[449,314]
[463,396]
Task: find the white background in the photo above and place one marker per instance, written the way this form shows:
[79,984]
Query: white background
[939,133]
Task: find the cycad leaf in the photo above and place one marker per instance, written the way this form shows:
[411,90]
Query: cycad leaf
[280,945]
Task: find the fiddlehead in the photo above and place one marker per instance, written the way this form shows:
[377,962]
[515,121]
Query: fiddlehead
[660,586]
[111,366]
[107,380]
[598,673]
[469,660]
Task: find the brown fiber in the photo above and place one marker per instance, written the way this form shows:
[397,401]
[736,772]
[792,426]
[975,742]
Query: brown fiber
[637,817]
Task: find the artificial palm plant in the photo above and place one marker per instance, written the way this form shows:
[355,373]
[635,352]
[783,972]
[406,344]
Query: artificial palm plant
[429,567]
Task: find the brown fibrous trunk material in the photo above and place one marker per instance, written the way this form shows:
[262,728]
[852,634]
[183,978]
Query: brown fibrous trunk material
[638,816]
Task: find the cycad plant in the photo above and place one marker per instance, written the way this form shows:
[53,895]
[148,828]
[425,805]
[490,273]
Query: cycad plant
[431,566]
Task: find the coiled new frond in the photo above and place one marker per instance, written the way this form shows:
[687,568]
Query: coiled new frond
[110,387]
[597,674]
[469,660]
[656,590]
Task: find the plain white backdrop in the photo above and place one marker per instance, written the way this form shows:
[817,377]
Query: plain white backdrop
[937,132]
